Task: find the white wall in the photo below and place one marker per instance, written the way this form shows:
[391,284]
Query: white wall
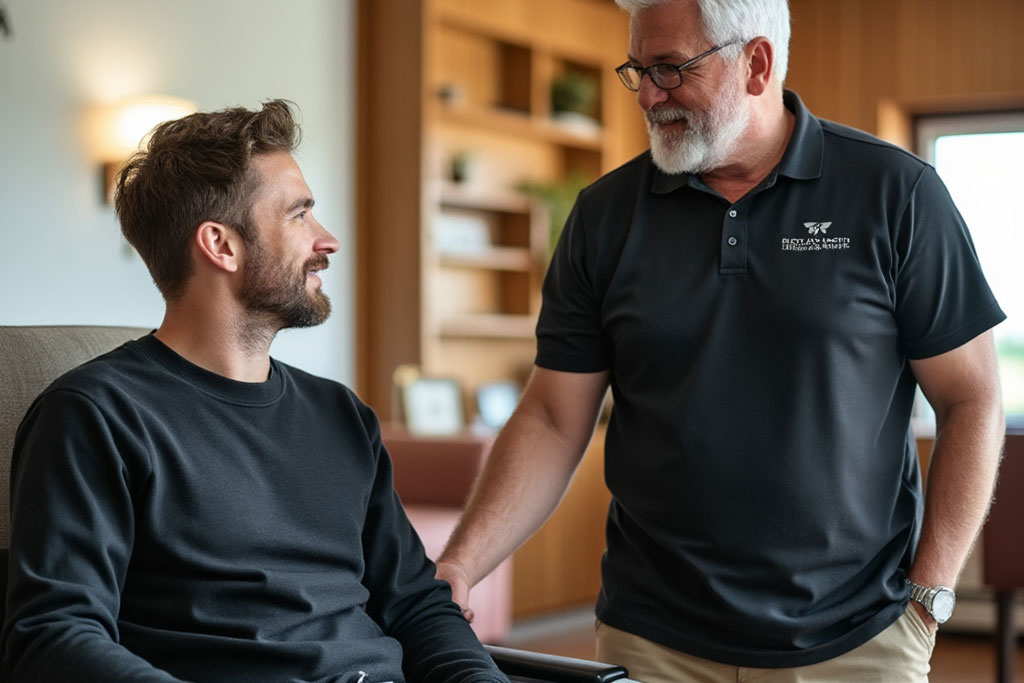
[62,258]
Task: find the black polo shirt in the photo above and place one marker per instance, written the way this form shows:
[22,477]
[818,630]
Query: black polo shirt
[766,493]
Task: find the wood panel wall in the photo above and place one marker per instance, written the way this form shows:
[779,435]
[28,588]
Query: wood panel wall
[388,263]
[875,64]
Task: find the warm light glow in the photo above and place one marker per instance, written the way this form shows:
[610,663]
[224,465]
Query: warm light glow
[120,129]
[124,125]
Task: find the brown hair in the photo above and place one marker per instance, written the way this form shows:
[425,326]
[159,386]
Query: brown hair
[196,169]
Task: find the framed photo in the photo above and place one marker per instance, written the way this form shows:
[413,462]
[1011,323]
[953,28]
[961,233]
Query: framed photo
[461,231]
[495,402]
[433,406]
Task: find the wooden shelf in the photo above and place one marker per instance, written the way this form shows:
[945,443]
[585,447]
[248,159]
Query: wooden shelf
[490,325]
[450,274]
[522,124]
[497,26]
[518,259]
[482,197]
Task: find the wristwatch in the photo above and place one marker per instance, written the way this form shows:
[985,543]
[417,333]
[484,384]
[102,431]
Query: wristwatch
[937,600]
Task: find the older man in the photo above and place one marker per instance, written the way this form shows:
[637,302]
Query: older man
[763,291]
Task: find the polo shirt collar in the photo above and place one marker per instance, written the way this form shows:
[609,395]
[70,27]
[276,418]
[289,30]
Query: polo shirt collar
[803,157]
[802,160]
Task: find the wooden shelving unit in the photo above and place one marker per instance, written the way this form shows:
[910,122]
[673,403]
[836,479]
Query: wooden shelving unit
[490,326]
[481,197]
[450,271]
[516,259]
[511,122]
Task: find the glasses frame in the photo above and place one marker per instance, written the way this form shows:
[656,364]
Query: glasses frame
[621,70]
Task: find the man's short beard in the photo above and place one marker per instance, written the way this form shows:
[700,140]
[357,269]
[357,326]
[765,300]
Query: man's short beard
[272,290]
[709,138]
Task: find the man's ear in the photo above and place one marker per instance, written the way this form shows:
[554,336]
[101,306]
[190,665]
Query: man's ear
[760,54]
[219,245]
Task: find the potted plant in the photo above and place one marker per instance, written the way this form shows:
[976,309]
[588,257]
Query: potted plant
[460,165]
[573,98]
[558,196]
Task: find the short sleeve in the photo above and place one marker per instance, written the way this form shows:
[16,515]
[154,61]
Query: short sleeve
[569,332]
[943,300]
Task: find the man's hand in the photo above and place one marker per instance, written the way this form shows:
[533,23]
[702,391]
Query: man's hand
[459,581]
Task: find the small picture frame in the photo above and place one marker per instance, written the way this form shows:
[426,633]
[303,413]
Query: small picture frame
[496,401]
[433,406]
[457,231]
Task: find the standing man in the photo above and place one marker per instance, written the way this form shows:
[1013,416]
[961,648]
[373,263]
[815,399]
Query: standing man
[763,291]
[211,514]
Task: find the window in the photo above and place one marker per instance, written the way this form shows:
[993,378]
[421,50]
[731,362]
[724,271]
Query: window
[980,158]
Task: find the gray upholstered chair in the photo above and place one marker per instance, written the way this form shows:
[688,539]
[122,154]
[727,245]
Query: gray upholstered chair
[31,357]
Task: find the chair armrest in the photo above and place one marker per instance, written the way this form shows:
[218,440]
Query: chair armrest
[527,666]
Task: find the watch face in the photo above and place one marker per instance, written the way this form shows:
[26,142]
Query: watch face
[942,605]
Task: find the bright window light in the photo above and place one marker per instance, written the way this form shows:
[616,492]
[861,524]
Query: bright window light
[979,158]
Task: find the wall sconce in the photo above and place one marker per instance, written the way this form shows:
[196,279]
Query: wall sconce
[120,129]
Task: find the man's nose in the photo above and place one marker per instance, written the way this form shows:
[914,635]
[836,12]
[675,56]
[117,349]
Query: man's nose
[649,94]
[325,241]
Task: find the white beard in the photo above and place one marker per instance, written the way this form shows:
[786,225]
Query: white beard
[709,138]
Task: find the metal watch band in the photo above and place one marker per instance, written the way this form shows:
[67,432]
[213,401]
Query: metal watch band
[919,593]
[926,596]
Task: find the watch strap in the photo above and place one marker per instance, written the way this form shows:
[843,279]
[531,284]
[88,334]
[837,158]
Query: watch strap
[921,594]
[925,595]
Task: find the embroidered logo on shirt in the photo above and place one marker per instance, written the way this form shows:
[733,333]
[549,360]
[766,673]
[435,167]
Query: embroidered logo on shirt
[818,239]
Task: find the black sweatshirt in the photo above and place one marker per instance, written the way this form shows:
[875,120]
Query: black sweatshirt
[171,524]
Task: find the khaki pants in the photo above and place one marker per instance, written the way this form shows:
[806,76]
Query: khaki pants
[899,654]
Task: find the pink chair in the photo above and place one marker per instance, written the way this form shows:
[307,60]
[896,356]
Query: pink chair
[433,476]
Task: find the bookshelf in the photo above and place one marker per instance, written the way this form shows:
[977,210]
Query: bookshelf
[455,115]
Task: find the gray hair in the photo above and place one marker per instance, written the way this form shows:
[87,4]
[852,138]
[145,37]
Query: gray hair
[726,20]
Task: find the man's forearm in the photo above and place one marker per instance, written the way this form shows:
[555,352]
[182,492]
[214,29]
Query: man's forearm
[961,479]
[528,470]
[445,649]
[526,475]
[85,657]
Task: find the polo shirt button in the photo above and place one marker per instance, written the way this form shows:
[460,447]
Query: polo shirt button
[732,241]
[732,213]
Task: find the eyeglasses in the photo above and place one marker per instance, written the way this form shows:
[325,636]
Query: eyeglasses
[665,76]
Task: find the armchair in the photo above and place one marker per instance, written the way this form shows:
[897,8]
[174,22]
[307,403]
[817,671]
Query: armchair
[31,357]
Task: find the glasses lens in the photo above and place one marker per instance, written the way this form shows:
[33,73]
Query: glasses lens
[630,76]
[665,76]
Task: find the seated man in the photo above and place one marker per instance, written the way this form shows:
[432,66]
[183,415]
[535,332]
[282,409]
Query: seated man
[186,508]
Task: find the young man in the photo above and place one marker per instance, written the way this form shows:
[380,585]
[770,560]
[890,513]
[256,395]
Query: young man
[763,291]
[209,513]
